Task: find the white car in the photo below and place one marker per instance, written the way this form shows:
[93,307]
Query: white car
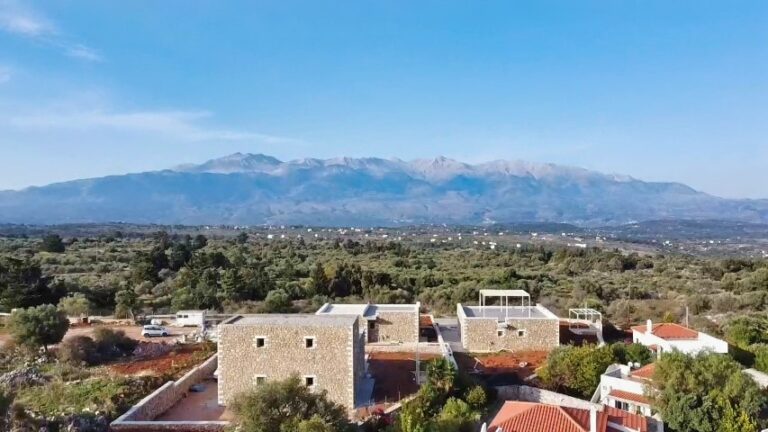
[153,330]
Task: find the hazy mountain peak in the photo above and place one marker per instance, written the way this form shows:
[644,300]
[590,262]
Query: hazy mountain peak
[255,188]
[236,162]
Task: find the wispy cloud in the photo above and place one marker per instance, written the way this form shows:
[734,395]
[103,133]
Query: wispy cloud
[21,20]
[82,52]
[179,126]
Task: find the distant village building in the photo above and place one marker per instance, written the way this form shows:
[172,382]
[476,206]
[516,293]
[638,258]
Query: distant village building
[667,337]
[381,323]
[626,389]
[326,351]
[514,324]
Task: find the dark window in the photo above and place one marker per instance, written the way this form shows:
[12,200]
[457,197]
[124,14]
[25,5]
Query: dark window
[371,325]
[260,342]
[310,342]
[309,381]
[260,380]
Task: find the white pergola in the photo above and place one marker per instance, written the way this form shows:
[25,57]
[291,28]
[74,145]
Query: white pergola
[505,295]
[578,317]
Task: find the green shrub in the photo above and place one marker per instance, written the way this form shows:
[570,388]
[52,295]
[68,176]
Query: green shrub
[113,343]
[78,350]
[477,397]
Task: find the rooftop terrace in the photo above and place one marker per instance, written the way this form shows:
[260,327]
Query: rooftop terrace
[366,310]
[298,320]
[503,312]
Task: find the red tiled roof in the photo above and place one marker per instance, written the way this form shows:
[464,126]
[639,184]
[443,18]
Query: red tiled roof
[516,416]
[645,372]
[628,396]
[669,331]
[626,419]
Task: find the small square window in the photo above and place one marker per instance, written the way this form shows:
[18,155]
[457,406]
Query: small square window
[309,381]
[500,333]
[371,325]
[261,342]
[309,342]
[260,379]
[521,333]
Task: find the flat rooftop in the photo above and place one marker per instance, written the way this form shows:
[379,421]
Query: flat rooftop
[514,312]
[298,320]
[366,310]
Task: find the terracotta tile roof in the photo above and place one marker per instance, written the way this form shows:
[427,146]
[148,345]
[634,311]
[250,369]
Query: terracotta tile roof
[630,397]
[626,419]
[669,331]
[646,372]
[516,416]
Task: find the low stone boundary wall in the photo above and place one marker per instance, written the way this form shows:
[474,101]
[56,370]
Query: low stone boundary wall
[533,394]
[423,347]
[140,417]
[190,426]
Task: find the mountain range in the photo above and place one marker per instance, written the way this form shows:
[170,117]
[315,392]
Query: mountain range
[251,189]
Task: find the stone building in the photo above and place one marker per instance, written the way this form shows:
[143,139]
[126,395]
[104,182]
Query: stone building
[384,323]
[507,326]
[326,351]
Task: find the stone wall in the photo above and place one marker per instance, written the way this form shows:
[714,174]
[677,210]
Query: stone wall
[533,394]
[481,334]
[148,426]
[140,417]
[333,361]
[400,327]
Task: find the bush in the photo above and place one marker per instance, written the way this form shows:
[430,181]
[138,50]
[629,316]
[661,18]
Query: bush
[456,416]
[78,350]
[113,343]
[761,357]
[277,301]
[477,398]
[576,370]
[282,405]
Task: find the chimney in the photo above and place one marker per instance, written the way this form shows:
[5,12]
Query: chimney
[649,327]
[592,418]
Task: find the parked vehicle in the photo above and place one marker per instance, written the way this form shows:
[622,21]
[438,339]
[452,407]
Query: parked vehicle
[154,330]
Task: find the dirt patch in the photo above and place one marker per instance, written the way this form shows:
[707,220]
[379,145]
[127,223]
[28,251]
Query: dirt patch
[502,368]
[394,374]
[180,358]
[133,332]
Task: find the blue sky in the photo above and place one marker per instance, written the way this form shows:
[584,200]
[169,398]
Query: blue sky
[659,90]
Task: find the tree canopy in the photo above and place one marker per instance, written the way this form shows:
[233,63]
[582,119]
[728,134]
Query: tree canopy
[38,326]
[696,393]
[288,406]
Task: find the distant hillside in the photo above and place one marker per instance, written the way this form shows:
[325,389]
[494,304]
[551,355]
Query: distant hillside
[258,189]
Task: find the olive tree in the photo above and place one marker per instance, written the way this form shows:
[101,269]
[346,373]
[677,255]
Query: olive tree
[38,326]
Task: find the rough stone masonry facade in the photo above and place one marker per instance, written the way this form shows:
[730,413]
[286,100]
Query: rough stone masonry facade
[396,327]
[336,361]
[482,334]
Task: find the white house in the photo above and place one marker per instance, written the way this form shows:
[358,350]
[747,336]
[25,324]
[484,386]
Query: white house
[626,389]
[666,337]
